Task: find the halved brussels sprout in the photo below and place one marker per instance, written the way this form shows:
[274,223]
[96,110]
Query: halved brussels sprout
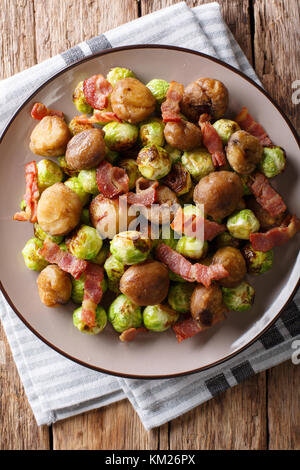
[225,239]
[114,270]
[179,296]
[79,100]
[111,156]
[225,128]
[102,255]
[78,288]
[63,165]
[120,135]
[132,170]
[130,247]
[124,314]
[258,262]
[85,243]
[159,317]
[242,224]
[101,321]
[154,162]
[118,73]
[238,298]
[152,132]
[39,233]
[158,88]
[174,154]
[87,178]
[74,184]
[198,162]
[273,161]
[49,173]
[31,255]
[192,247]
[75,127]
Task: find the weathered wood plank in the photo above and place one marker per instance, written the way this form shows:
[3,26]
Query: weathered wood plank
[18,430]
[17,44]
[114,427]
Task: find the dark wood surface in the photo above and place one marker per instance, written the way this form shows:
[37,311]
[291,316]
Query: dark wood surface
[264,411]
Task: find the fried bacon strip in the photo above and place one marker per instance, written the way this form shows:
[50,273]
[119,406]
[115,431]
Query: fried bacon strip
[67,262]
[247,123]
[131,334]
[170,108]
[32,194]
[276,236]
[98,116]
[39,111]
[196,226]
[266,196]
[212,141]
[92,293]
[96,90]
[189,327]
[188,271]
[145,194]
[111,180]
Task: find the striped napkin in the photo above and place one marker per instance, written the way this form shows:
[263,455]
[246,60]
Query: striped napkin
[57,387]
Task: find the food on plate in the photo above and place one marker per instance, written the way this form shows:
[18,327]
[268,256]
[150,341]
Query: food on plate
[157,200]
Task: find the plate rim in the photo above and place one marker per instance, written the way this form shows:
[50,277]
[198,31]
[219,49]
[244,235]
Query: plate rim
[111,51]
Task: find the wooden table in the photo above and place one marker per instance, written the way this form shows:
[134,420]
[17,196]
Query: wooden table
[264,411]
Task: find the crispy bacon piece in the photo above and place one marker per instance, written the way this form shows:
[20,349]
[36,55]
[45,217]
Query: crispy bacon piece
[92,293]
[188,271]
[276,236]
[111,180]
[98,116]
[246,122]
[196,226]
[266,196]
[39,111]
[187,328]
[67,262]
[131,333]
[177,179]
[212,141]
[145,194]
[170,108]
[32,194]
[96,90]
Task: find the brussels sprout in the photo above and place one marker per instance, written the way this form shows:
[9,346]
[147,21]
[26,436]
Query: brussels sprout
[238,298]
[154,162]
[124,314]
[174,154]
[191,209]
[79,100]
[48,174]
[78,288]
[158,88]
[169,240]
[85,243]
[85,216]
[245,180]
[114,270]
[198,162]
[74,184]
[273,161]
[23,205]
[192,247]
[152,132]
[63,165]
[102,255]
[242,224]
[87,179]
[225,239]
[101,320]
[63,246]
[39,233]
[120,136]
[76,127]
[111,156]
[180,296]
[130,247]
[159,317]
[32,258]
[225,128]
[118,73]
[132,170]
[258,262]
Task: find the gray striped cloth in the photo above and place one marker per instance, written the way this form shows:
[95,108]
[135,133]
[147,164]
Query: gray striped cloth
[55,386]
